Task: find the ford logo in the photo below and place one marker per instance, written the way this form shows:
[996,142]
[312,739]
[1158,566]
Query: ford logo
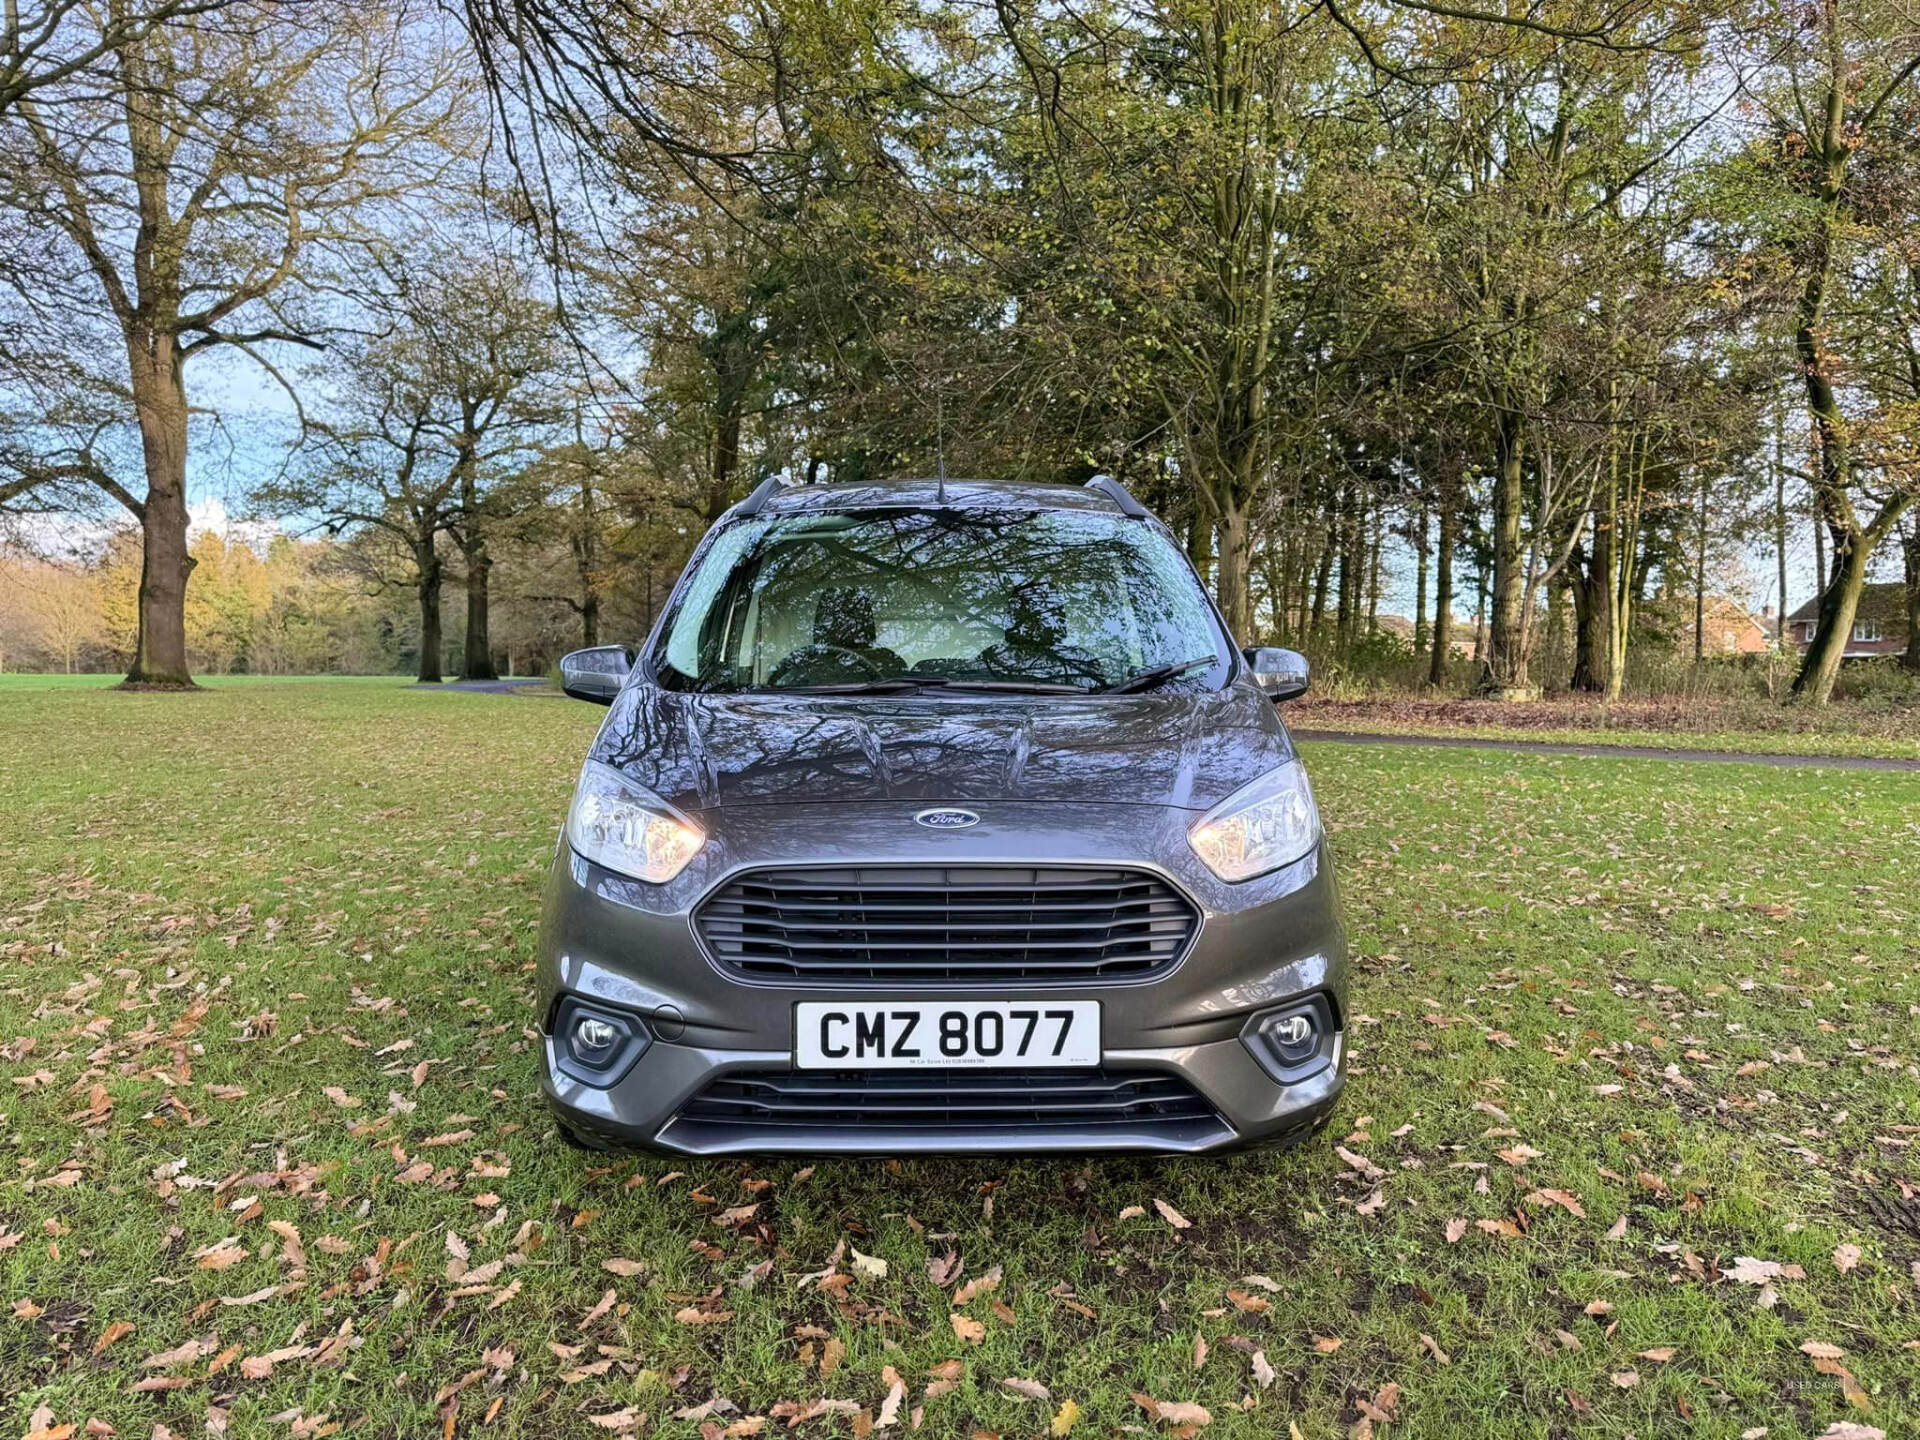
[946,819]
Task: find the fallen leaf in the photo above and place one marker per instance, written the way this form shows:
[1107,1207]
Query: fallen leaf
[1626,1379]
[118,1330]
[1064,1417]
[983,1284]
[1432,1347]
[1564,1199]
[1455,1229]
[624,1268]
[966,1328]
[1172,1216]
[890,1407]
[1031,1389]
[867,1267]
[1845,1257]
[1327,1344]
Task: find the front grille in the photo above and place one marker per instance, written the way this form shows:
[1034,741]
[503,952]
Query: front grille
[948,1100]
[954,922]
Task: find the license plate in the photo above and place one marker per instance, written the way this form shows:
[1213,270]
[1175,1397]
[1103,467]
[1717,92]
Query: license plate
[952,1033]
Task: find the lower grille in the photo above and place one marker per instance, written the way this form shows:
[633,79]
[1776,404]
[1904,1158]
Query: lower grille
[911,924]
[968,1101]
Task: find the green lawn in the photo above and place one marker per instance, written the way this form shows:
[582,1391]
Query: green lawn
[1753,726]
[269,1100]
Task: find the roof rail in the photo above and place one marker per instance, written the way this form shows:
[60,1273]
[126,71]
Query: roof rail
[757,501]
[1116,492]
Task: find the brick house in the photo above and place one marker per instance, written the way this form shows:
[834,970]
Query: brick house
[1732,629]
[1879,625]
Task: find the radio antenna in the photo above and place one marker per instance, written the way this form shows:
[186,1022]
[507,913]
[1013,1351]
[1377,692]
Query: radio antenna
[940,445]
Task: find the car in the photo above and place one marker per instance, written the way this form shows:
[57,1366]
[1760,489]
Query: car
[940,817]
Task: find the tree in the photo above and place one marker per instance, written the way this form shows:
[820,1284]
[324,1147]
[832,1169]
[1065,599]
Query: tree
[1838,180]
[421,418]
[484,338]
[55,605]
[47,44]
[176,195]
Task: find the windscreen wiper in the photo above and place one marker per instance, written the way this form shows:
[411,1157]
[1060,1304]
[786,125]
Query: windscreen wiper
[888,686]
[1018,687]
[1147,679]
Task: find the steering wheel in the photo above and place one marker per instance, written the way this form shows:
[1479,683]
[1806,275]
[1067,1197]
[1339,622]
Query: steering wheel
[813,655]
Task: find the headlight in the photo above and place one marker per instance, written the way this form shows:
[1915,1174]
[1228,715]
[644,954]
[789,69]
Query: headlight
[1260,827]
[625,827]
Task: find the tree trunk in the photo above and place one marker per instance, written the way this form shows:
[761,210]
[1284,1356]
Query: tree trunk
[1421,538]
[1199,541]
[1442,598]
[1593,610]
[160,403]
[1780,529]
[1322,578]
[478,663]
[1910,659]
[1506,661]
[1700,580]
[1235,564]
[1838,604]
[427,561]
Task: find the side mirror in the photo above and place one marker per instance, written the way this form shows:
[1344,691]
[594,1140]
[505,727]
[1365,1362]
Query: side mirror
[595,674]
[1280,674]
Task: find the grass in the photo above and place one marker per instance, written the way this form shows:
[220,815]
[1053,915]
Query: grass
[1754,726]
[264,1013]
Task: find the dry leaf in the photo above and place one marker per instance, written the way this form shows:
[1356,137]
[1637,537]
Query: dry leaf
[1845,1257]
[1172,1216]
[966,1328]
[1064,1417]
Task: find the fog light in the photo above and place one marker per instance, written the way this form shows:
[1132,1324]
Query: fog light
[596,1044]
[1290,1034]
[594,1036]
[1295,1042]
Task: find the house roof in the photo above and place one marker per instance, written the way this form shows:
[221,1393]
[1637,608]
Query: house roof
[1885,601]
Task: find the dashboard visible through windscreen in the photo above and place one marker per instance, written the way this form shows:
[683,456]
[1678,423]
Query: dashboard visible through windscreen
[1047,598]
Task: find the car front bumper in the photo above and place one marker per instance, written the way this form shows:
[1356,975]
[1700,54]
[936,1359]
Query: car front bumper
[632,949]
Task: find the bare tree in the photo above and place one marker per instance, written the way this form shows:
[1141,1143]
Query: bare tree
[176,195]
[45,45]
[424,420]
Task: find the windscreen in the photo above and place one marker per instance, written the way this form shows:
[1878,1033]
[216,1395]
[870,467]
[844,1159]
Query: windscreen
[1048,598]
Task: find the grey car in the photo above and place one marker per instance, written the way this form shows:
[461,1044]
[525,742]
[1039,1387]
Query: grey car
[940,816]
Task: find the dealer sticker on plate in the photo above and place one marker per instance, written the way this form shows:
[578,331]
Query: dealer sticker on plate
[974,1033]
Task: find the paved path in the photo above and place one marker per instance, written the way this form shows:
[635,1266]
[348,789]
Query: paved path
[486,687]
[1613,752]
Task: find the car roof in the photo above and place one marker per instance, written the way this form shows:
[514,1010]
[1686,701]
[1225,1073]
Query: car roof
[935,494]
